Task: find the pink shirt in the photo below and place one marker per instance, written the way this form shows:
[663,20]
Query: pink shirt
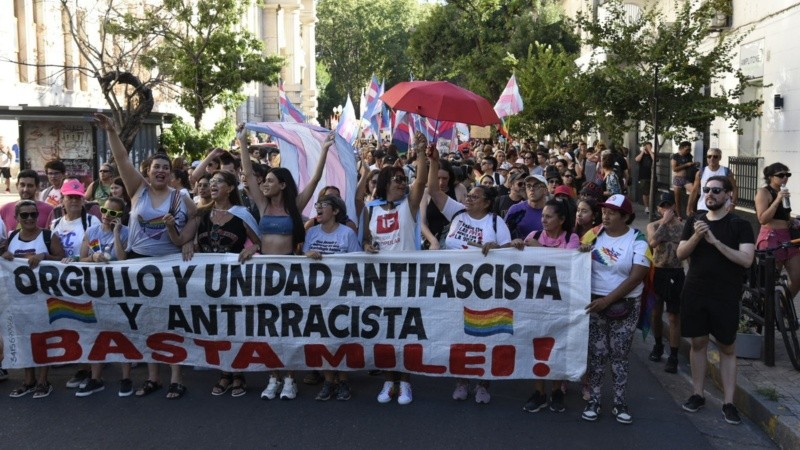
[559,242]
[7,213]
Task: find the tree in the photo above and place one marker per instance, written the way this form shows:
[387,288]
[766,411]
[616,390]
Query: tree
[554,94]
[203,52]
[658,71]
[182,139]
[113,62]
[356,38]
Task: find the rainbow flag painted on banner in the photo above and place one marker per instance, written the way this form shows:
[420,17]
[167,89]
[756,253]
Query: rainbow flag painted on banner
[489,322]
[62,309]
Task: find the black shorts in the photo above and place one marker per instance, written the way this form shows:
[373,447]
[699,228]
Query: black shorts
[702,315]
[668,284]
[5,172]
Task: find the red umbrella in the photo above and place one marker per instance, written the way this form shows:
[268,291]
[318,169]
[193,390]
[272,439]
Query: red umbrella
[441,101]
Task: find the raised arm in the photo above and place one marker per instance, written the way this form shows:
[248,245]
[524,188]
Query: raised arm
[418,188]
[200,170]
[308,191]
[131,177]
[247,168]
[439,198]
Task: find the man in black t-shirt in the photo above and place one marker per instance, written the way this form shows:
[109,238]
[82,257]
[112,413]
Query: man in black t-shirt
[721,246]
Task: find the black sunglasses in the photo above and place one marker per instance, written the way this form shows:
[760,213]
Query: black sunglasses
[715,190]
[713,157]
[111,212]
[400,179]
[29,215]
[782,175]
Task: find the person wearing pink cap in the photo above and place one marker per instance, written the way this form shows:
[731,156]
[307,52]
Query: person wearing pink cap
[620,261]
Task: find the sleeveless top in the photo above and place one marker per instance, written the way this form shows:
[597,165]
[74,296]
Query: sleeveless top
[282,225]
[148,232]
[22,249]
[781,213]
[393,229]
[226,238]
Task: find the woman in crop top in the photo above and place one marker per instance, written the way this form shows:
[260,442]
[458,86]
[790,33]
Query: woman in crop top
[281,226]
[390,223]
[776,221]
[158,214]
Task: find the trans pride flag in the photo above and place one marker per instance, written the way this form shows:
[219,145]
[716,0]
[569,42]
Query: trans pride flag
[289,112]
[510,102]
[348,123]
[301,145]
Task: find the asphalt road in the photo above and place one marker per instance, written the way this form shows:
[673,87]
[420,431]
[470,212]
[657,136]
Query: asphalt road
[433,420]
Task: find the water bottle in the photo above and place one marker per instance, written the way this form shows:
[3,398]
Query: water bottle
[786,202]
[107,252]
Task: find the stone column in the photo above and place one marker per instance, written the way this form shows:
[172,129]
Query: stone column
[309,94]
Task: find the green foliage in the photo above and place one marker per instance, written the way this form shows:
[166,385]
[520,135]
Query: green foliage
[659,65]
[553,92]
[468,41]
[356,38]
[203,51]
[182,139]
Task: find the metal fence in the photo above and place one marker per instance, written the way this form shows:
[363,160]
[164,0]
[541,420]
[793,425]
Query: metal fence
[664,171]
[747,170]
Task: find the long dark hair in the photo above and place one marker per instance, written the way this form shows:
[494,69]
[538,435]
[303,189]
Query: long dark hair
[289,196]
[772,169]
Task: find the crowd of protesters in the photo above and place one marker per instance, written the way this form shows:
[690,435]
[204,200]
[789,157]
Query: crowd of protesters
[483,196]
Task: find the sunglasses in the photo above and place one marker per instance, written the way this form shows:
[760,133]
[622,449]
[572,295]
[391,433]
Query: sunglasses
[520,183]
[399,179]
[111,212]
[713,156]
[28,215]
[782,175]
[320,205]
[475,197]
[715,190]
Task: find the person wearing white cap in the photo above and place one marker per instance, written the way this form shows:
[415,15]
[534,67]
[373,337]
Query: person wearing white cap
[620,261]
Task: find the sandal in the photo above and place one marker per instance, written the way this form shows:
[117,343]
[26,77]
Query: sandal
[23,390]
[175,391]
[148,388]
[239,387]
[221,388]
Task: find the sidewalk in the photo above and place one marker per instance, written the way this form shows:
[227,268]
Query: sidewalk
[769,396]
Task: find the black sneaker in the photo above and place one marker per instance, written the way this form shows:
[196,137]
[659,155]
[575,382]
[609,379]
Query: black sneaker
[622,414]
[343,393]
[658,350]
[557,401]
[78,379]
[672,365]
[326,393]
[125,387]
[314,377]
[90,388]
[592,411]
[535,403]
[694,403]
[731,414]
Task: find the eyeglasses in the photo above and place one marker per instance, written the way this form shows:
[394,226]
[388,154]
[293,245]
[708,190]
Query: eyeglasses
[29,215]
[55,174]
[715,190]
[216,181]
[782,175]
[520,183]
[320,205]
[111,212]
[472,197]
[533,186]
[399,179]
[713,156]
[552,181]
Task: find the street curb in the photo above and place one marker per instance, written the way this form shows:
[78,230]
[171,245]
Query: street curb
[781,426]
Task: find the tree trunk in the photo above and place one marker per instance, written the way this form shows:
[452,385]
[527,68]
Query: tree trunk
[131,122]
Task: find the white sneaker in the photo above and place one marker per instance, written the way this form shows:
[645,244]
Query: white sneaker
[289,391]
[405,393]
[385,396]
[272,389]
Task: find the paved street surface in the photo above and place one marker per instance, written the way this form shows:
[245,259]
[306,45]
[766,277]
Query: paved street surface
[433,420]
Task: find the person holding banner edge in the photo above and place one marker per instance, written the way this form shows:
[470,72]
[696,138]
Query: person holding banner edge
[391,222]
[472,224]
[158,213]
[281,227]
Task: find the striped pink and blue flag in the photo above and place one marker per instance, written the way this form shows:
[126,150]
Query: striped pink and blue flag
[401,136]
[301,145]
[348,123]
[510,102]
[289,113]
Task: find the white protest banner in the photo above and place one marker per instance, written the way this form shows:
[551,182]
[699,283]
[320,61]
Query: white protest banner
[513,314]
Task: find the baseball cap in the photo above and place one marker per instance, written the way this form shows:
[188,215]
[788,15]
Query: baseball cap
[195,164]
[618,202]
[563,190]
[505,166]
[72,187]
[592,190]
[536,177]
[667,197]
